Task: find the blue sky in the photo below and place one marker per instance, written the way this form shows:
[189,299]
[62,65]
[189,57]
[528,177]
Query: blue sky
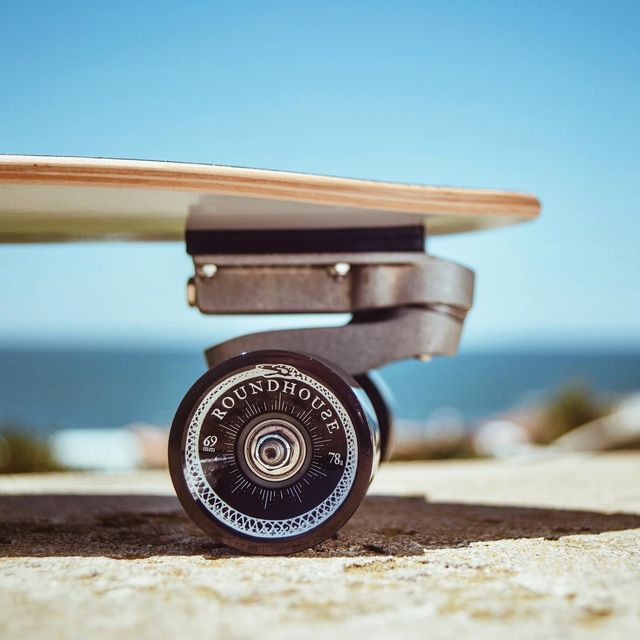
[538,96]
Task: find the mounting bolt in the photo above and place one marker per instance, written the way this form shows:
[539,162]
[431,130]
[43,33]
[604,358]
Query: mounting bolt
[192,297]
[339,270]
[209,270]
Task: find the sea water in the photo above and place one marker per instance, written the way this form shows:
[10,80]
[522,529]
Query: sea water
[66,389]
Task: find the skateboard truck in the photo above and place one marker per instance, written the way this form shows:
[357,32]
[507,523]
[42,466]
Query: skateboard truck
[296,419]
[381,275]
[402,304]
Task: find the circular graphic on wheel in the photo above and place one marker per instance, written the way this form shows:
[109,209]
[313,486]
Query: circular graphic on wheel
[271,451]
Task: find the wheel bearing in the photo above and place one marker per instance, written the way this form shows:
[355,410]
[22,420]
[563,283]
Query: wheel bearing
[274,449]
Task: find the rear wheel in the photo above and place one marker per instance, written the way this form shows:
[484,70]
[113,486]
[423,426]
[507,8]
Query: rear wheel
[380,397]
[272,452]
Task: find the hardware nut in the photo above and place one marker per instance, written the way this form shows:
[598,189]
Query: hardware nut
[209,270]
[339,270]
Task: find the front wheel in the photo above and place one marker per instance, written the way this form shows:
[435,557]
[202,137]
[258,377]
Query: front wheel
[271,452]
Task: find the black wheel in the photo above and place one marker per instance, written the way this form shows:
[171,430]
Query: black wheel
[272,451]
[382,401]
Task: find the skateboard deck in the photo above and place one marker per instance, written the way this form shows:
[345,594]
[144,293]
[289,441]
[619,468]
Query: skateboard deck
[52,199]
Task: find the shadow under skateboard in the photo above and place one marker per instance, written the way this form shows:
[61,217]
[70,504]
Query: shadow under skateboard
[141,526]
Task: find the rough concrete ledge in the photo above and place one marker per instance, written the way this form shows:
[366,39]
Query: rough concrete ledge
[490,549]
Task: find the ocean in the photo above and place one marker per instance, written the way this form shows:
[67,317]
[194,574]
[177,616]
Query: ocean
[52,389]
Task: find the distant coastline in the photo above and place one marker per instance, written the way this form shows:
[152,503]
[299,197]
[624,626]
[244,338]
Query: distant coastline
[50,389]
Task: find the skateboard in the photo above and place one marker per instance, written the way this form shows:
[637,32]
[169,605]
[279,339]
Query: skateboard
[272,450]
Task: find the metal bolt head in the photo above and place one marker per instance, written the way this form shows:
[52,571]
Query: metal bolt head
[209,270]
[339,270]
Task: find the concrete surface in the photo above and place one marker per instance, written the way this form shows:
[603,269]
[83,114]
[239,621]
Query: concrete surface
[543,548]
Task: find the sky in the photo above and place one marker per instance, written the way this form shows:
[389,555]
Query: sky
[542,97]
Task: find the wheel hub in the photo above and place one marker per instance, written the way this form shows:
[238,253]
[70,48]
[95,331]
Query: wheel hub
[275,449]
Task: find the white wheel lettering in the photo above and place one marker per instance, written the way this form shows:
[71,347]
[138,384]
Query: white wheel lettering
[264,527]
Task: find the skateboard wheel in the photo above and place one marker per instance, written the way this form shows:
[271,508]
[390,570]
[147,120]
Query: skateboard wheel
[380,397]
[271,452]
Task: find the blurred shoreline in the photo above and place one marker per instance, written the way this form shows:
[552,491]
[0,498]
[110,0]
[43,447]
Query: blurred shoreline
[111,408]
[51,389]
